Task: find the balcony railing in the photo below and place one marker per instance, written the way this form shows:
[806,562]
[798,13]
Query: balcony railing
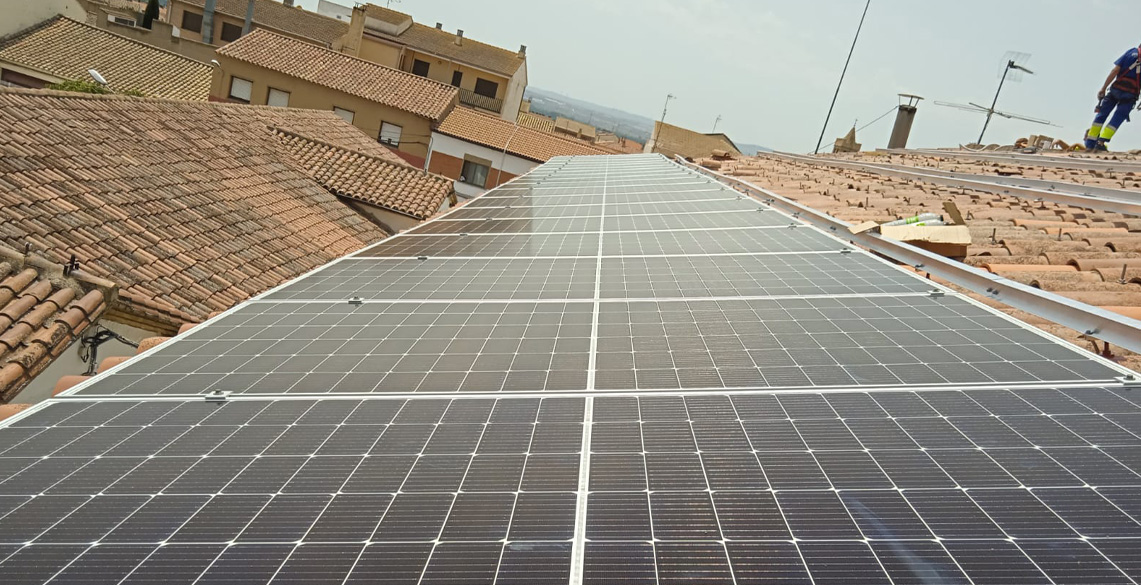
[482,102]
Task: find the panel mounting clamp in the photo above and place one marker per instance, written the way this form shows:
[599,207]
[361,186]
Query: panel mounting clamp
[1130,382]
[217,396]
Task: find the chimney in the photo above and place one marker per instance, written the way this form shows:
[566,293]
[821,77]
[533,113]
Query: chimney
[523,51]
[208,22]
[249,23]
[439,26]
[351,42]
[460,37]
[904,117]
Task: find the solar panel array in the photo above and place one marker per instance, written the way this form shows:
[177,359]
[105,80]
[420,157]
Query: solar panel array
[610,370]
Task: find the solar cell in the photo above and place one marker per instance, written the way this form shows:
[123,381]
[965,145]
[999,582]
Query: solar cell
[320,508]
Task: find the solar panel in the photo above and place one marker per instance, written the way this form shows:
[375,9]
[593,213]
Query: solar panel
[608,370]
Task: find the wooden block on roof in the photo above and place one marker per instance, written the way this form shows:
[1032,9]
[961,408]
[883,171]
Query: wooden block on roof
[953,212]
[863,227]
[948,240]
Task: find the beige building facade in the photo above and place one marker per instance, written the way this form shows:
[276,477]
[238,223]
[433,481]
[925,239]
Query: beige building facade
[395,108]
[489,78]
[21,14]
[365,114]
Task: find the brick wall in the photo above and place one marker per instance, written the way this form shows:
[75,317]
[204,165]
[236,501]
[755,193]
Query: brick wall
[452,167]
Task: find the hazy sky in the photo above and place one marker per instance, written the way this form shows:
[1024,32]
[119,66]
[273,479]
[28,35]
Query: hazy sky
[769,68]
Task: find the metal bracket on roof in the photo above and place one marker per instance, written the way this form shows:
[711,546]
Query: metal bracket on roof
[935,294]
[1130,382]
[846,251]
[217,396]
[356,301]
[1111,327]
[71,266]
[421,257]
[793,225]
[464,234]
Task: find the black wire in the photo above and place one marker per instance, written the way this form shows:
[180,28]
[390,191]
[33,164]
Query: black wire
[861,128]
[842,74]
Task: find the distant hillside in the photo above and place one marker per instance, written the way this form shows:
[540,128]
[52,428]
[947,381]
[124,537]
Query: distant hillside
[624,124]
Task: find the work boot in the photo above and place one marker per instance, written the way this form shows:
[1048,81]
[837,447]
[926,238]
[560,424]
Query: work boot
[1090,144]
[1100,146]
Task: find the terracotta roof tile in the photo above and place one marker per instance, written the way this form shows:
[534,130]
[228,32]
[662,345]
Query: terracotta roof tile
[38,310]
[674,140]
[441,43]
[1074,252]
[536,122]
[491,131]
[188,207]
[64,48]
[369,179]
[384,85]
[292,20]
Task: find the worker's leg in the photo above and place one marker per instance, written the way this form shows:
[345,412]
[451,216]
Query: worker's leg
[1103,111]
[1119,117]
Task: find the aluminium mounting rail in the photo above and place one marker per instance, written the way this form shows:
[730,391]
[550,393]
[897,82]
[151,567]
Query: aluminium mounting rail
[1040,160]
[1092,321]
[1086,197]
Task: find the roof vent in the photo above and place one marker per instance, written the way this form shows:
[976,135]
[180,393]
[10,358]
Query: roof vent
[439,26]
[460,37]
[522,50]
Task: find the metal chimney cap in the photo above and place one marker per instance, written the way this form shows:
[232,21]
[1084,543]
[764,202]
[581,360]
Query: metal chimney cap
[439,26]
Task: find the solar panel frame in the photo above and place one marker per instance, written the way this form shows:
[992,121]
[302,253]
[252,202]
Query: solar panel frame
[999,450]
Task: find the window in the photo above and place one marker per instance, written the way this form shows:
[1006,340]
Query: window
[474,173]
[277,98]
[420,68]
[241,90]
[9,78]
[191,21]
[457,77]
[390,134]
[486,88]
[347,115]
[231,32]
[123,20]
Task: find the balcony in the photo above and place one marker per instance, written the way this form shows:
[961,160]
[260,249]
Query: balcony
[470,98]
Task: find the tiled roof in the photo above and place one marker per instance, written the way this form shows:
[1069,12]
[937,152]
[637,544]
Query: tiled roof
[370,179]
[188,207]
[1093,257]
[674,140]
[494,132]
[536,122]
[575,127]
[428,39]
[386,14]
[63,48]
[384,85]
[275,15]
[41,313]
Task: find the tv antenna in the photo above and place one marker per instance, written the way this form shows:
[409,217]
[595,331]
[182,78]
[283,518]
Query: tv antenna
[1012,68]
[715,123]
